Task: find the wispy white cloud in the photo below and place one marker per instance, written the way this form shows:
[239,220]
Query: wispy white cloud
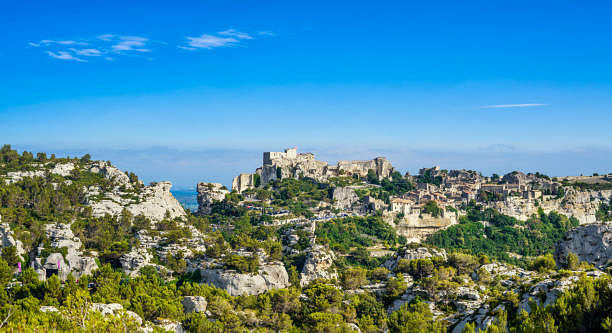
[63,55]
[506,106]
[87,52]
[235,33]
[210,41]
[131,43]
[113,46]
[62,42]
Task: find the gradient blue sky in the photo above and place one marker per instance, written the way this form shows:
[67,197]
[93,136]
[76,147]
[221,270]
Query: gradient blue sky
[195,90]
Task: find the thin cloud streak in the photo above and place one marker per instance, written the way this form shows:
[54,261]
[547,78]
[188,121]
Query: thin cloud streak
[64,56]
[505,106]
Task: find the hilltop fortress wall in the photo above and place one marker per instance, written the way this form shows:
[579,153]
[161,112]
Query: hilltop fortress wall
[291,164]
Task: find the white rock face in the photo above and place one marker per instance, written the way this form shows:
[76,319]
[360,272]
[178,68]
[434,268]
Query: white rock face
[583,205]
[318,265]
[15,176]
[109,172]
[209,193]
[591,243]
[344,197]
[152,203]
[7,239]
[547,290]
[171,326]
[63,170]
[114,309]
[60,235]
[269,276]
[134,260]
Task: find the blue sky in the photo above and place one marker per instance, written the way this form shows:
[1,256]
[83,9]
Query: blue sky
[195,90]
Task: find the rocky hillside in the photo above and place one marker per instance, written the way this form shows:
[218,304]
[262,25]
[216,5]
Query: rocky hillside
[88,247]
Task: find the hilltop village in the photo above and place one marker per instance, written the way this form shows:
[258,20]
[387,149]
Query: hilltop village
[300,245]
[416,205]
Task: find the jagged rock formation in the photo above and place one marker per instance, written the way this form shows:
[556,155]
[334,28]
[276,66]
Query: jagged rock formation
[61,236]
[7,238]
[591,243]
[209,193]
[318,265]
[583,205]
[269,276]
[344,197]
[152,202]
[290,164]
[109,172]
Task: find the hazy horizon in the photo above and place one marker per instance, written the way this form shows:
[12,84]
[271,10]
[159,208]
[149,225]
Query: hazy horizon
[186,167]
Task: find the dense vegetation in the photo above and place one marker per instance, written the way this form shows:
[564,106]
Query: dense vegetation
[344,234]
[485,231]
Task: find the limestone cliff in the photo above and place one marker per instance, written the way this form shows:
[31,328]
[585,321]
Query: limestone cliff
[582,205]
[209,193]
[152,202]
[269,276]
[591,243]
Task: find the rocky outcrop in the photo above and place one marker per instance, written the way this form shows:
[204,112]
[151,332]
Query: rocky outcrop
[133,261]
[153,202]
[269,276]
[583,205]
[409,253]
[194,304]
[344,197]
[416,226]
[61,236]
[109,172]
[209,193]
[7,238]
[115,309]
[318,265]
[591,243]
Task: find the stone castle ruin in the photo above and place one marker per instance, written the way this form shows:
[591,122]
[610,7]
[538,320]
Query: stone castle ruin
[291,164]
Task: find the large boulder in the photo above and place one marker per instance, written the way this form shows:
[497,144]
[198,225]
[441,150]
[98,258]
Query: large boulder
[591,243]
[318,265]
[209,193]
[269,276]
[194,304]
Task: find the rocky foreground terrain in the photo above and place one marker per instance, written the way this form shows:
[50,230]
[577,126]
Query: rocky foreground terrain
[302,246]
